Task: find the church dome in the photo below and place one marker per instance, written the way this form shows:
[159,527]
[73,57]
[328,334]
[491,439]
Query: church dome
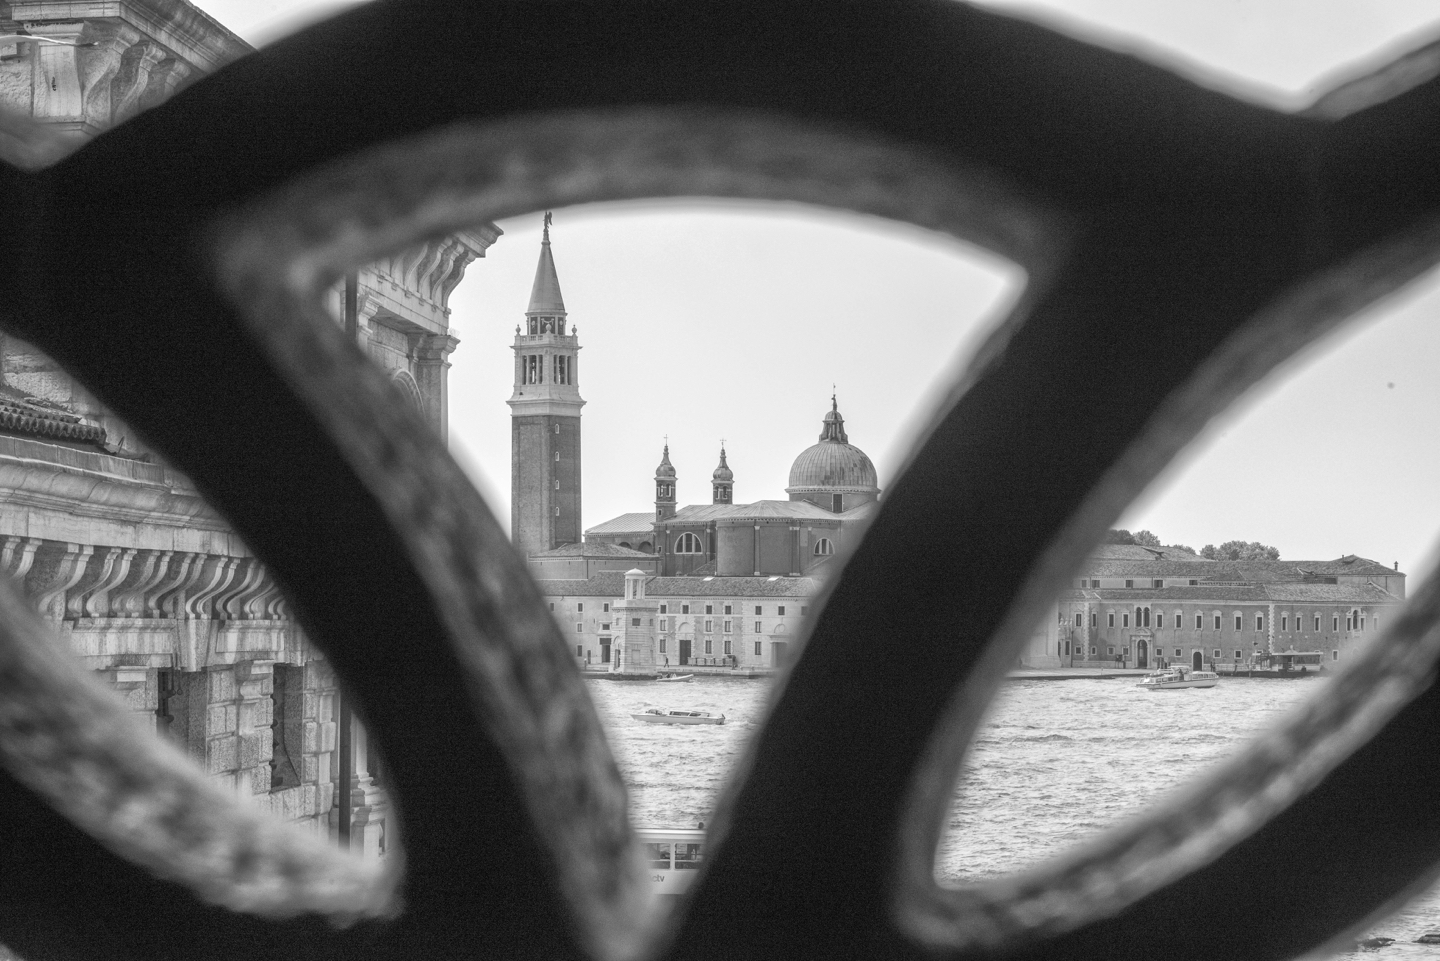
[834,464]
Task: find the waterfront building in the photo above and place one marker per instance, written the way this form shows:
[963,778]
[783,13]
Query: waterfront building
[139,577]
[1147,607]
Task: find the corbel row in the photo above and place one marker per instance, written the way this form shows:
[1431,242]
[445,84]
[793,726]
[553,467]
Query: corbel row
[72,581]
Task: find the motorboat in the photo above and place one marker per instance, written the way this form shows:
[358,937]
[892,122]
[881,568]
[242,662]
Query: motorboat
[656,716]
[1178,678]
[676,677]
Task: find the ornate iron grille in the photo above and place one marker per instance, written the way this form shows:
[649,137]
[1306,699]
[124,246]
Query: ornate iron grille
[174,266]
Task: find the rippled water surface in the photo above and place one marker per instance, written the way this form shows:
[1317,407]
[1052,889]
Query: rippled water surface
[1057,761]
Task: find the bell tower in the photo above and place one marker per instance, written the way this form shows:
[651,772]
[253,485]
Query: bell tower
[545,419]
[664,488]
[722,481]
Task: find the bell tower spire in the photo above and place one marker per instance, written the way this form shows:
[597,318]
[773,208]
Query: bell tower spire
[545,418]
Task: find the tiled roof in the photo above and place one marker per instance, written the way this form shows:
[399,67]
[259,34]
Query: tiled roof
[1267,571]
[1097,567]
[1238,593]
[703,513]
[612,584]
[625,524]
[30,417]
[1134,552]
[704,570]
[596,549]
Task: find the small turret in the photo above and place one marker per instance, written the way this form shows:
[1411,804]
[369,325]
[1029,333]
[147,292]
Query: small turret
[665,488]
[723,481]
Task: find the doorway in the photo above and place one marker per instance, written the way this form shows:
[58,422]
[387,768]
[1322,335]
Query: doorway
[1197,661]
[684,650]
[604,650]
[1142,654]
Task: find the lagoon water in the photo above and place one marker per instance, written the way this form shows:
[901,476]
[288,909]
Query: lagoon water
[1056,762]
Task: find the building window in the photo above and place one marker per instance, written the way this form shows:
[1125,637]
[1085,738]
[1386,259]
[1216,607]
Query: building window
[1177,652]
[1157,583]
[757,612]
[1094,619]
[605,627]
[1129,583]
[662,645]
[664,608]
[1217,622]
[1079,619]
[709,608]
[557,457]
[634,622]
[580,608]
[687,543]
[709,628]
[1284,622]
[709,646]
[1094,649]
[552,607]
[605,608]
[1215,654]
[684,608]
[1335,622]
[664,623]
[757,648]
[1199,621]
[823,546]
[780,611]
[1239,621]
[1125,619]
[757,627]
[726,626]
[728,609]
[727,645]
[579,628]
[1259,622]
[1095,582]
[1334,655]
[1110,619]
[837,503]
[1237,655]
[1317,623]
[1159,619]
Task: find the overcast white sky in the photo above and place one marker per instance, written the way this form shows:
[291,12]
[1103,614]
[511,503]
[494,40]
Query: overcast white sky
[709,321]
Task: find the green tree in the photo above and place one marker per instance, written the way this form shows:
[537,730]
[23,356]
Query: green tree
[1146,539]
[1241,551]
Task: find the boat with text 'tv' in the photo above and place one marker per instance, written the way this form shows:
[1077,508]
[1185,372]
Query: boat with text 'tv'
[656,716]
[1178,678]
[673,856]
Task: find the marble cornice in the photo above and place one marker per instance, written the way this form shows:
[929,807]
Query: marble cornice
[190,33]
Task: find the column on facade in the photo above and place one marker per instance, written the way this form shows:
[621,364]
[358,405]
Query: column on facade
[369,808]
[432,365]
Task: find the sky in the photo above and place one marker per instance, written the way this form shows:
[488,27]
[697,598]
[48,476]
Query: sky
[708,320]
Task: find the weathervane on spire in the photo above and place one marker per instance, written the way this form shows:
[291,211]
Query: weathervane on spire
[547,227]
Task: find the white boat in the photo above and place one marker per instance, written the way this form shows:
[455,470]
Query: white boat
[673,855]
[656,716]
[676,677]
[1178,678]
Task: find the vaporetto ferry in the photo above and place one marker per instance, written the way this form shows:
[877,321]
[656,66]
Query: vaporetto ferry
[673,856]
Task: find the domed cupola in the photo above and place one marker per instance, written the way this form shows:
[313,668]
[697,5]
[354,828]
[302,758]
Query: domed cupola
[722,481]
[833,474]
[666,469]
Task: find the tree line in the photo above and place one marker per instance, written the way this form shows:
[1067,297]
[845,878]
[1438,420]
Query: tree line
[1228,551]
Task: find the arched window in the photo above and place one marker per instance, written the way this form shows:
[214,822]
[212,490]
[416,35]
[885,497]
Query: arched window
[687,543]
[646,547]
[823,546]
[625,544]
